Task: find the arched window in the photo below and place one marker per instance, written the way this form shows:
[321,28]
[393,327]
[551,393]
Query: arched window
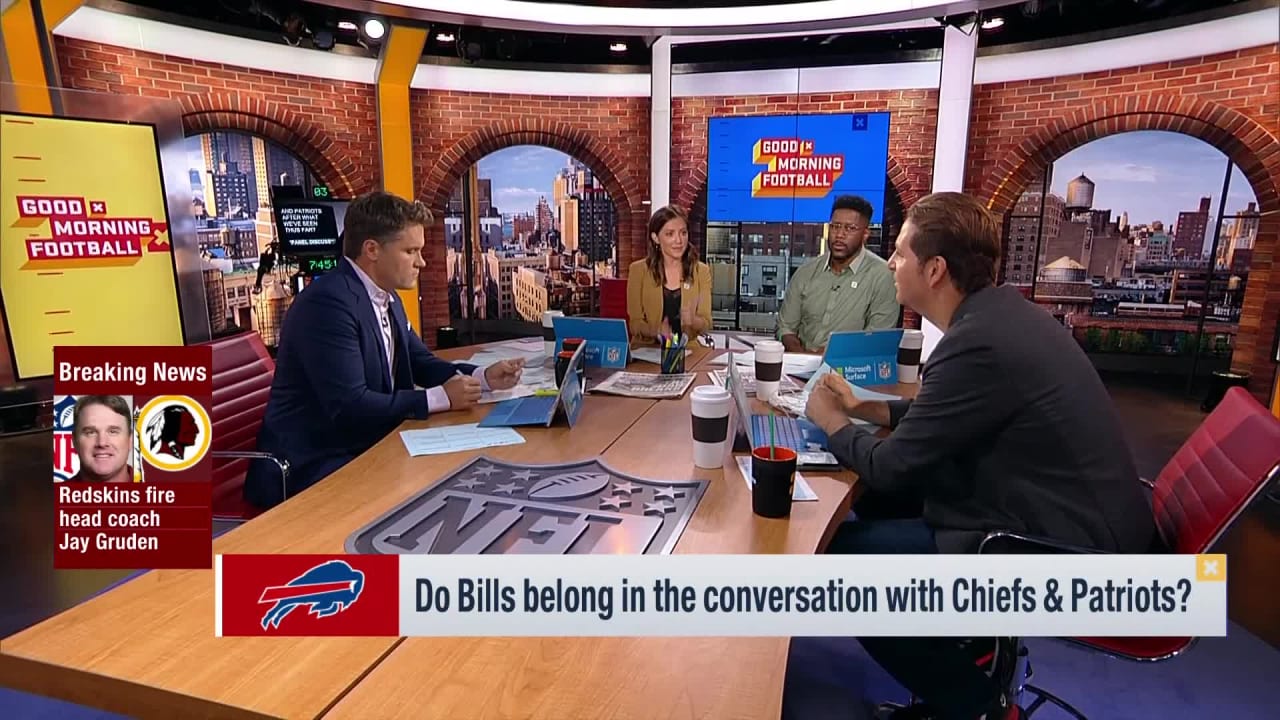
[527,229]
[1127,240]
[234,177]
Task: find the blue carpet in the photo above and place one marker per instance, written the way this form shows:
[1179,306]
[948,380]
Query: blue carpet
[1235,677]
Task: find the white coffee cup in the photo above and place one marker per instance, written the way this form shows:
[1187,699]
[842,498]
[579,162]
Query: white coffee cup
[549,332]
[711,406]
[768,369]
[909,356]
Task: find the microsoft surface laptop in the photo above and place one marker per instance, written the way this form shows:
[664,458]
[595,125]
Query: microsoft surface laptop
[543,409]
[807,439]
[606,339]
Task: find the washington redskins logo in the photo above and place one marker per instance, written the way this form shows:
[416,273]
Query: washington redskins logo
[173,432]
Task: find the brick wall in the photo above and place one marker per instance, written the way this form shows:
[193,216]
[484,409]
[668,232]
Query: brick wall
[331,124]
[452,130]
[1230,100]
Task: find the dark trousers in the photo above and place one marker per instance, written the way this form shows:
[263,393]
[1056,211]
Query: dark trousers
[941,672]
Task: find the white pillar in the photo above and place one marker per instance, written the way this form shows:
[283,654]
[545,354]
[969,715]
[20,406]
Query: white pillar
[660,124]
[955,92]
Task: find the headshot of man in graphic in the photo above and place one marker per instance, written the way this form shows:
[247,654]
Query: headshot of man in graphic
[103,437]
[171,431]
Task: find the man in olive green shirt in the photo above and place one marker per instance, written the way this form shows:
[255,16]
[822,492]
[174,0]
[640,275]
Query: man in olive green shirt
[848,288]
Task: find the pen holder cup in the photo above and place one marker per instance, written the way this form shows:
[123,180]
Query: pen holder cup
[673,360]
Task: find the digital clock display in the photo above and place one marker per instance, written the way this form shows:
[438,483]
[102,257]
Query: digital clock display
[317,265]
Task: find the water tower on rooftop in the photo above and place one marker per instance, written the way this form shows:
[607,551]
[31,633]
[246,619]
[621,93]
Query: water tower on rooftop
[1079,194]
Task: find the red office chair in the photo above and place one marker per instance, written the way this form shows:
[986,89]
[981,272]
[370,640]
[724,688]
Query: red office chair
[242,373]
[613,298]
[1230,460]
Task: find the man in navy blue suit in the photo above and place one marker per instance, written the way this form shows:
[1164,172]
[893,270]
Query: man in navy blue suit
[350,368]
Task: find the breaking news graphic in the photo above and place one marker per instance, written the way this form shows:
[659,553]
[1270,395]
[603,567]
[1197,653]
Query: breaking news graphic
[131,461]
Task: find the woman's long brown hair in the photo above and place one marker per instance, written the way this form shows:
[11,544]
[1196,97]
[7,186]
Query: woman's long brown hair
[653,260]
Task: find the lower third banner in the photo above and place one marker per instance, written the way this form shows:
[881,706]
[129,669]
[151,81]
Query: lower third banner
[723,595]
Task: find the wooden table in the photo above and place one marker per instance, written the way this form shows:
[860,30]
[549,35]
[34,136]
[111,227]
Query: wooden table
[147,648]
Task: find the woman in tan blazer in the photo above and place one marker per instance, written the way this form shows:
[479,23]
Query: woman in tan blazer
[669,291]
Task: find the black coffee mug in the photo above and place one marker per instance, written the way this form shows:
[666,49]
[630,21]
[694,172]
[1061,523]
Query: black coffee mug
[773,474]
[562,366]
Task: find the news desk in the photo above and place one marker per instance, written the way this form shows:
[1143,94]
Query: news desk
[147,647]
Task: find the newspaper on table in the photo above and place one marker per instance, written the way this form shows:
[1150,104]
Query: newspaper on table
[650,386]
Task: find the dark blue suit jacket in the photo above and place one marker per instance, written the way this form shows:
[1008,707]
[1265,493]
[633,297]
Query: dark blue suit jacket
[332,397]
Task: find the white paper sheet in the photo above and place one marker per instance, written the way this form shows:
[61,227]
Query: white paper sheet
[457,438]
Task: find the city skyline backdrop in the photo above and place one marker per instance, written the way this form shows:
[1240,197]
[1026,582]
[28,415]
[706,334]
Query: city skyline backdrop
[520,175]
[1153,175]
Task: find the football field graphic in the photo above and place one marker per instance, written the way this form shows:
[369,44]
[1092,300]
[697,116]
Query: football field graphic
[491,507]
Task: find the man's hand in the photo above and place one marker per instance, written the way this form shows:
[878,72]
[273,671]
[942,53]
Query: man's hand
[826,408]
[791,343]
[835,392]
[463,391]
[504,374]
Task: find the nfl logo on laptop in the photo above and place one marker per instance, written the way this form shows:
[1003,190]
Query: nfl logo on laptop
[614,354]
[883,370]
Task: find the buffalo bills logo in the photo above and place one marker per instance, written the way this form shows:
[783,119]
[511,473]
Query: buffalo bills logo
[324,590]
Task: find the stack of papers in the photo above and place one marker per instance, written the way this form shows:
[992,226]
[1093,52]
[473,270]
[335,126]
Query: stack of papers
[792,363]
[801,492]
[537,374]
[457,438]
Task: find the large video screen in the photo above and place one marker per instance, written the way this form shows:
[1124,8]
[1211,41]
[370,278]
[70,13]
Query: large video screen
[789,168]
[85,253]
[310,228]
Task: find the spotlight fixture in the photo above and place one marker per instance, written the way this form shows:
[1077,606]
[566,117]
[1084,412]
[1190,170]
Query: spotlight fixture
[374,29]
[444,37]
[371,32]
[993,23]
[618,47]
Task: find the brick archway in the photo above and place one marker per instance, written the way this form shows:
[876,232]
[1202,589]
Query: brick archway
[1249,145]
[623,187]
[239,113]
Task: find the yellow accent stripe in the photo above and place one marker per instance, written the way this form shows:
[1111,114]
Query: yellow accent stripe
[399,59]
[22,50]
[55,11]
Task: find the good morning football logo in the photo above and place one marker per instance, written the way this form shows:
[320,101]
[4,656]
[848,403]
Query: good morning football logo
[794,170]
[82,234]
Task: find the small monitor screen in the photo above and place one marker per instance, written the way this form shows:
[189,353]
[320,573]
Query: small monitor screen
[310,228]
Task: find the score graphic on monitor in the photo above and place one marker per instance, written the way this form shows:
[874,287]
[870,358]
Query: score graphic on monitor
[789,168]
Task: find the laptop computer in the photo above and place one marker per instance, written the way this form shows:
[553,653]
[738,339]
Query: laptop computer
[543,409]
[865,357]
[606,339]
[752,431]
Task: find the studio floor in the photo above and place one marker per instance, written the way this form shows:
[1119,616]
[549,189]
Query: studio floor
[1232,676]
